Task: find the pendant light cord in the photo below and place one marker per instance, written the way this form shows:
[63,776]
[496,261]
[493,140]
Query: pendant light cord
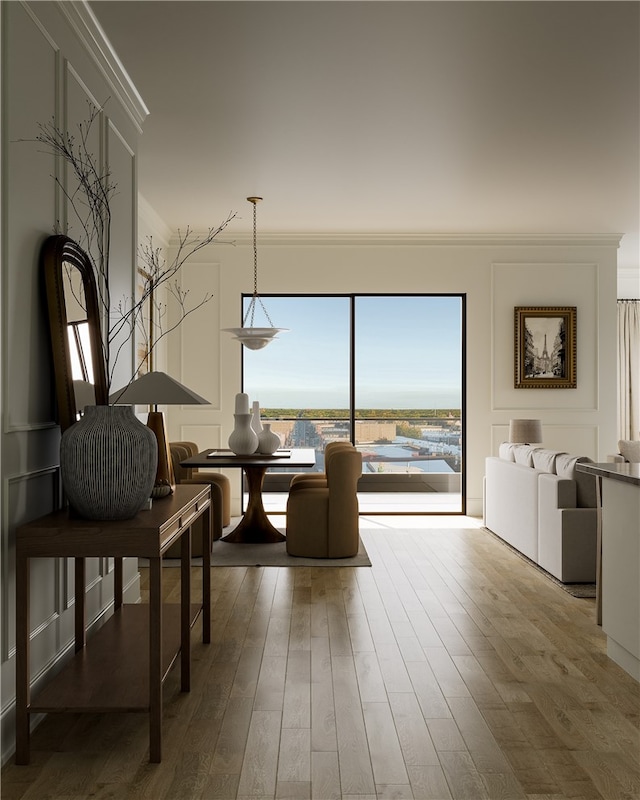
[256,296]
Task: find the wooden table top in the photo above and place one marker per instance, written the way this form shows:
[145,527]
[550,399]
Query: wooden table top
[216,457]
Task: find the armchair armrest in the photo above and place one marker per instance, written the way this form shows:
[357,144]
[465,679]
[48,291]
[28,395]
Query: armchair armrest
[307,521]
[308,479]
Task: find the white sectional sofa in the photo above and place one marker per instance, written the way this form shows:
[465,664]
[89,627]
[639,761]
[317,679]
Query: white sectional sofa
[538,502]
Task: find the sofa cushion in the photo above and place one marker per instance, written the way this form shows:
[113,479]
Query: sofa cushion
[630,449]
[523,454]
[585,484]
[545,460]
[505,451]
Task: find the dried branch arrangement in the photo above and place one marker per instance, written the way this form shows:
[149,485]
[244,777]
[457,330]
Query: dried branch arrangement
[89,193]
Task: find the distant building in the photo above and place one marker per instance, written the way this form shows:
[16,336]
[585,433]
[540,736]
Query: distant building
[375,432]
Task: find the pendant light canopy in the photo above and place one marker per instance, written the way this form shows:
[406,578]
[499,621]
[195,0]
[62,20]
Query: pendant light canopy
[248,335]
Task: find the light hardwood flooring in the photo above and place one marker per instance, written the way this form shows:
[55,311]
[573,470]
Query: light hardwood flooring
[449,669]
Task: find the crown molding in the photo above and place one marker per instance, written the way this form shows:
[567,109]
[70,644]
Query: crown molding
[430,239]
[86,26]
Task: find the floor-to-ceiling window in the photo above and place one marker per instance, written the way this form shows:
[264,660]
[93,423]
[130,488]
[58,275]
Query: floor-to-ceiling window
[386,372]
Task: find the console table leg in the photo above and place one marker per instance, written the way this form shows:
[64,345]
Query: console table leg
[207,521]
[155,660]
[599,551]
[80,574]
[117,583]
[185,611]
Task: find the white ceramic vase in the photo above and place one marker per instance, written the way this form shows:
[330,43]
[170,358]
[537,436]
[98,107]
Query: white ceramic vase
[243,440]
[256,422]
[268,441]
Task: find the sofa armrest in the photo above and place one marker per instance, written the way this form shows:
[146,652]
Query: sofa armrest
[615,459]
[566,534]
[511,504]
[555,492]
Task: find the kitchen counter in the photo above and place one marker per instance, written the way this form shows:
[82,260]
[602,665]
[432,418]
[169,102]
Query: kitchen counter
[616,471]
[619,580]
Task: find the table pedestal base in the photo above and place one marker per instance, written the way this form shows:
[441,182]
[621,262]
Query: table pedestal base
[254,527]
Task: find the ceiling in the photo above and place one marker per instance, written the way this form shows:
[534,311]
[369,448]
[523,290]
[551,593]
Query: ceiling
[389,117]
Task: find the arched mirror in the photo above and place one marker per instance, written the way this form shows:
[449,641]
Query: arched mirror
[74,324]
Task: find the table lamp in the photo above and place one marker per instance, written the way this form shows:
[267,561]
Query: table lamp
[525,431]
[154,389]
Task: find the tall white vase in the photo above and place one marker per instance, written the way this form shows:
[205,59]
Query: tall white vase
[256,422]
[243,440]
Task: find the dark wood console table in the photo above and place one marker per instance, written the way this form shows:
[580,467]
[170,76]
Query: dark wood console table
[123,665]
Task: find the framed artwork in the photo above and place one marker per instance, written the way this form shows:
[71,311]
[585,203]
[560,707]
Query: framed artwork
[545,347]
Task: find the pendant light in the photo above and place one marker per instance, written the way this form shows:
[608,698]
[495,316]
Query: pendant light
[249,336]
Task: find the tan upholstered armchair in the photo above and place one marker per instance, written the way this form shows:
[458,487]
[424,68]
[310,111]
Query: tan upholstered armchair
[322,515]
[302,477]
[220,496]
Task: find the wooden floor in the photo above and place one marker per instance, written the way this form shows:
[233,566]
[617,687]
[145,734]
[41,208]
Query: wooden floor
[450,669]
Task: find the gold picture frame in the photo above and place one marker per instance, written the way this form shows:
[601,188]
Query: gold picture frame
[545,347]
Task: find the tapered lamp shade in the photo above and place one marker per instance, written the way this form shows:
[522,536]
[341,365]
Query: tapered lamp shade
[525,431]
[158,388]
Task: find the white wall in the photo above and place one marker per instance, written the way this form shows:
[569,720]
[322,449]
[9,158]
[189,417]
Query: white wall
[497,273]
[153,232]
[53,63]
[629,283]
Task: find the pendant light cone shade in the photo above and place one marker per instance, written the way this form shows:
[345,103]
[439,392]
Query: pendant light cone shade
[250,336]
[153,389]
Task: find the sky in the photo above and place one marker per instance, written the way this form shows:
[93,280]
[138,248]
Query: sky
[407,353]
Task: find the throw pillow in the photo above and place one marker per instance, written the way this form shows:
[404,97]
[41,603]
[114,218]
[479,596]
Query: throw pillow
[545,460]
[630,450]
[505,451]
[523,454]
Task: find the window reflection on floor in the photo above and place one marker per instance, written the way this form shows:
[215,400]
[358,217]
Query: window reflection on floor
[384,502]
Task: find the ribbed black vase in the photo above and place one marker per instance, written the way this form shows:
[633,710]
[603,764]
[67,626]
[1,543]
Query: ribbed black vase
[108,463]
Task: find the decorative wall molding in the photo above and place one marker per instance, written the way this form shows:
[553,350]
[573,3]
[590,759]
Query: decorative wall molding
[364,239]
[556,283]
[205,435]
[59,60]
[40,26]
[86,26]
[10,523]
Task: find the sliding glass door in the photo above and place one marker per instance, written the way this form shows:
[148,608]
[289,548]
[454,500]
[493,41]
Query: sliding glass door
[383,371]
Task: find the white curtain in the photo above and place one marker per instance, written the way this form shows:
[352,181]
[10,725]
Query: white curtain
[629,369]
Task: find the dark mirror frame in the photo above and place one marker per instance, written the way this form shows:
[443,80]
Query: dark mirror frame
[56,251]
